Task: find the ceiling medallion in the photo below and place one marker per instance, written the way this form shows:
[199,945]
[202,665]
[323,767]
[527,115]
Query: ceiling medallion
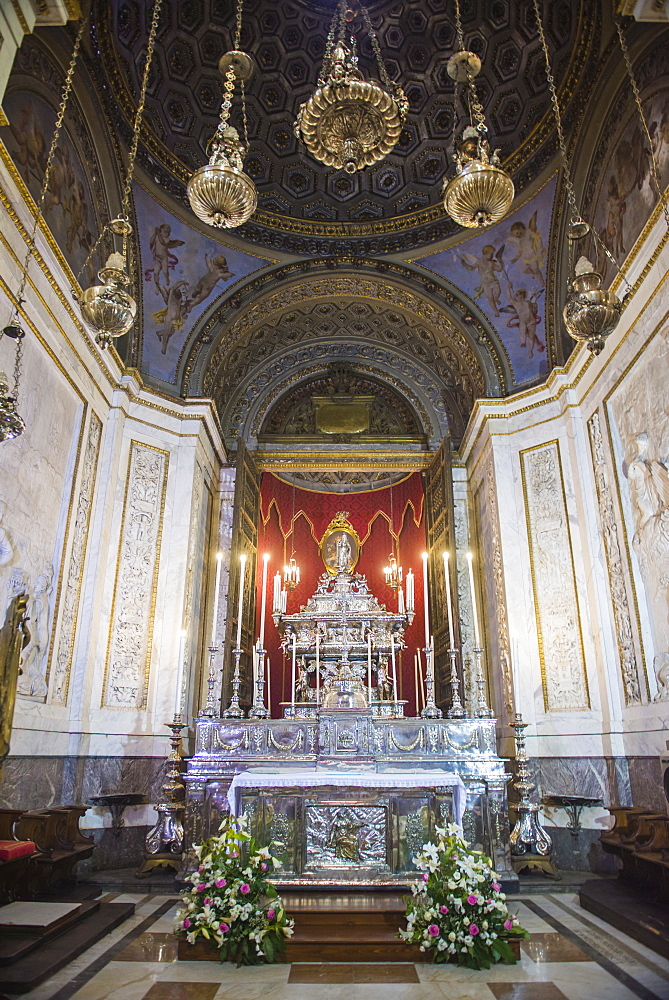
[348,122]
[480,194]
[220,193]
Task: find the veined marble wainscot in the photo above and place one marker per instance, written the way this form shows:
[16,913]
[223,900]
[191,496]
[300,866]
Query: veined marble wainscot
[351,835]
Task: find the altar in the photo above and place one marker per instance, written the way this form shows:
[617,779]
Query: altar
[345,787]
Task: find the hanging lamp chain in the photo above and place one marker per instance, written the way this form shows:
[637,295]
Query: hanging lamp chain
[132,155]
[329,48]
[383,72]
[458,27]
[637,98]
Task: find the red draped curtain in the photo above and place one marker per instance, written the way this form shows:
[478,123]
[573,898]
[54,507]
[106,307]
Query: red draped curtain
[295,519]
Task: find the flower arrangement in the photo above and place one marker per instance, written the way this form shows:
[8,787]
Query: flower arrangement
[458,910]
[232,902]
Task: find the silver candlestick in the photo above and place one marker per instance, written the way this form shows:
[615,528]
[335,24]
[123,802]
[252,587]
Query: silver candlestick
[258,710]
[209,710]
[234,709]
[482,709]
[430,710]
[456,711]
[164,843]
[531,846]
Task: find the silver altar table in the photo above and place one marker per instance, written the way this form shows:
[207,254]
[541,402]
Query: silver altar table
[337,831]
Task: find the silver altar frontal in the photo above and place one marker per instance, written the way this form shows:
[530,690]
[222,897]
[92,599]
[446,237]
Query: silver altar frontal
[345,788]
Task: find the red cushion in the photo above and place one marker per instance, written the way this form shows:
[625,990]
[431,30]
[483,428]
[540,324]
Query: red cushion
[10,849]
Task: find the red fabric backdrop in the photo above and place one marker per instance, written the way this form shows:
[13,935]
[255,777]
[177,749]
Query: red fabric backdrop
[370,515]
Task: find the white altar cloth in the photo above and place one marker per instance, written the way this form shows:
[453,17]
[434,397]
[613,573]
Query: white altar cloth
[262,778]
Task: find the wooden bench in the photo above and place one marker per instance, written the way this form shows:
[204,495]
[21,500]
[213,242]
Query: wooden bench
[60,846]
[640,838]
[13,870]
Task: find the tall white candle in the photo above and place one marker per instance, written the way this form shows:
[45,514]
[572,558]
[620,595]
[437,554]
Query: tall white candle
[400,601]
[256,667]
[515,673]
[217,586]
[276,601]
[294,657]
[178,704]
[369,666]
[477,638]
[410,591]
[269,688]
[392,655]
[426,601]
[318,664]
[240,602]
[449,603]
[263,600]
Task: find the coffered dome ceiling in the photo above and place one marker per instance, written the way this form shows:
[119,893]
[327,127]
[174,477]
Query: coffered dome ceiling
[305,207]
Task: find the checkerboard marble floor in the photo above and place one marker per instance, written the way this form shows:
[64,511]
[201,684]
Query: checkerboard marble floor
[571,955]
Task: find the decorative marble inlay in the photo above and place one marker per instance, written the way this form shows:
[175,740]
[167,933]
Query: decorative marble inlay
[72,589]
[621,611]
[131,632]
[500,595]
[558,623]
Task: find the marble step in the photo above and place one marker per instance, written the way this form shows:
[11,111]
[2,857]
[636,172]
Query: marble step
[55,952]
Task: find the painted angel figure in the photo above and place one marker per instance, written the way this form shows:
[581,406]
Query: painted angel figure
[172,316]
[488,266]
[529,248]
[525,315]
[160,244]
[217,270]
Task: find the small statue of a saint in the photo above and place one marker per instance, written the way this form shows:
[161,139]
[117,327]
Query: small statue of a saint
[344,553]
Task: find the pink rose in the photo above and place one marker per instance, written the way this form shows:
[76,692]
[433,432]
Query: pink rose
[244,888]
[201,887]
[433,930]
[206,901]
[264,866]
[473,929]
[271,914]
[186,924]
[508,924]
[424,878]
[471,900]
[220,883]
[224,928]
[496,886]
[201,868]
[233,854]
[443,909]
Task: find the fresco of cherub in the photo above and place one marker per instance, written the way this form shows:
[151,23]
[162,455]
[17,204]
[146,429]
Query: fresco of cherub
[529,248]
[163,261]
[30,145]
[525,316]
[488,266]
[171,318]
[217,270]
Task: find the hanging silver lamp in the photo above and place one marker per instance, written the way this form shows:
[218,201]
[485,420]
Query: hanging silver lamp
[591,312]
[220,193]
[481,193]
[107,309]
[348,122]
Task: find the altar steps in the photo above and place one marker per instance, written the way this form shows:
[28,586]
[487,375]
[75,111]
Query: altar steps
[348,927]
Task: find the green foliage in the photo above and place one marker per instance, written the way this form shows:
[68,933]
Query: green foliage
[232,901]
[459,910]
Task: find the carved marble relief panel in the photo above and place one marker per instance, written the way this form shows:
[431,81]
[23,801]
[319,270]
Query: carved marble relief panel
[131,628]
[60,661]
[641,418]
[461,535]
[561,654]
[497,581]
[633,673]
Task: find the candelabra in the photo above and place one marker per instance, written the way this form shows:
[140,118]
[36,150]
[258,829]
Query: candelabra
[456,711]
[164,843]
[482,709]
[258,710]
[530,844]
[209,710]
[234,709]
[430,710]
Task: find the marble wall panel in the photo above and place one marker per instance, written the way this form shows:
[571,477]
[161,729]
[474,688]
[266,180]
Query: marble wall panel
[646,783]
[641,429]
[130,638]
[36,499]
[558,616]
